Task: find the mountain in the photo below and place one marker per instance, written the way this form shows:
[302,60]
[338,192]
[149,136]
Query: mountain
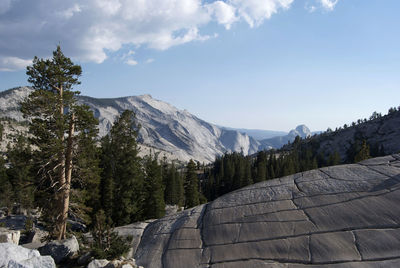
[258,134]
[341,216]
[278,142]
[163,126]
[381,133]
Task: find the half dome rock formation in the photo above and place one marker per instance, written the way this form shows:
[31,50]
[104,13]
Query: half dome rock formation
[342,216]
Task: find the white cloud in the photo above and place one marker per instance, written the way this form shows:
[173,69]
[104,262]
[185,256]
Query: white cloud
[131,62]
[255,12]
[68,13]
[224,13]
[329,4]
[13,63]
[149,60]
[89,31]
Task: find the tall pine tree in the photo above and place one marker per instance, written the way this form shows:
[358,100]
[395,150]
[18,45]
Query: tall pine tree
[122,177]
[53,115]
[154,205]
[192,196]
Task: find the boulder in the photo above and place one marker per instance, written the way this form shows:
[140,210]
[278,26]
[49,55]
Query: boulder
[15,256]
[61,250]
[9,236]
[97,264]
[36,236]
[342,216]
[135,230]
[84,259]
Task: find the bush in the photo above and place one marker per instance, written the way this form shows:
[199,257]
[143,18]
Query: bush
[106,243]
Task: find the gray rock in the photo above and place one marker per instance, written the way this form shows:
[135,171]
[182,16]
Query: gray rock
[13,256]
[135,230]
[97,264]
[84,259]
[36,236]
[61,250]
[9,236]
[343,216]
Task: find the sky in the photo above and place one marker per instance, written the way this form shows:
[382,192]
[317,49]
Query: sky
[258,64]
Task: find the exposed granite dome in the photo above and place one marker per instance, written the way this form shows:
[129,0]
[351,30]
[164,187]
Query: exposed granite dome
[342,216]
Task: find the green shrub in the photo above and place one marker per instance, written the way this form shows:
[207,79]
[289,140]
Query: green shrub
[106,243]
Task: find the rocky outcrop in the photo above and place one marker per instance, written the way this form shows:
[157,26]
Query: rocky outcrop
[9,236]
[61,250]
[342,216]
[12,256]
[277,142]
[135,231]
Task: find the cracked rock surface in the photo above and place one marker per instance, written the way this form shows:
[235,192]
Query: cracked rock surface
[342,216]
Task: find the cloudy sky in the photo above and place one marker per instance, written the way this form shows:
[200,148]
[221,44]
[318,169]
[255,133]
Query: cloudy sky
[266,64]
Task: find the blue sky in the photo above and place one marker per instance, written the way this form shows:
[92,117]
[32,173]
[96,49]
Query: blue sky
[265,64]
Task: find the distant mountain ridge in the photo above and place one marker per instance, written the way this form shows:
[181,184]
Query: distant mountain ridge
[259,134]
[277,142]
[167,128]
[162,125]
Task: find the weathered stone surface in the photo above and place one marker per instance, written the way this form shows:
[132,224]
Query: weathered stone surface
[12,256]
[343,216]
[9,236]
[98,263]
[61,250]
[135,230]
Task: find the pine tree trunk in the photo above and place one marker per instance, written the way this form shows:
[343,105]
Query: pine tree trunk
[61,178]
[68,172]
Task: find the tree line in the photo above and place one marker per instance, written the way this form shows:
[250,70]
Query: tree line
[233,171]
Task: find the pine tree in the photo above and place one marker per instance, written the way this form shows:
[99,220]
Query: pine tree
[363,153]
[53,114]
[85,190]
[122,172]
[172,193]
[6,188]
[20,172]
[191,186]
[334,159]
[154,207]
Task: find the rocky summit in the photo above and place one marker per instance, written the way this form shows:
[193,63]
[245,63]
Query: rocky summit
[342,216]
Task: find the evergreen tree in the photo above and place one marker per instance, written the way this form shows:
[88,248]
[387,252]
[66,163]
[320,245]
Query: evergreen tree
[122,172]
[191,186]
[154,205]
[20,173]
[107,188]
[363,153]
[173,186]
[261,167]
[53,114]
[85,190]
[5,186]
[334,159]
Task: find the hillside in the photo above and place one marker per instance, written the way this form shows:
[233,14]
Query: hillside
[163,126]
[381,133]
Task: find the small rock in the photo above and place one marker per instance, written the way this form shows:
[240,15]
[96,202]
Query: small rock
[13,256]
[9,236]
[84,259]
[36,236]
[61,250]
[98,263]
[127,266]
